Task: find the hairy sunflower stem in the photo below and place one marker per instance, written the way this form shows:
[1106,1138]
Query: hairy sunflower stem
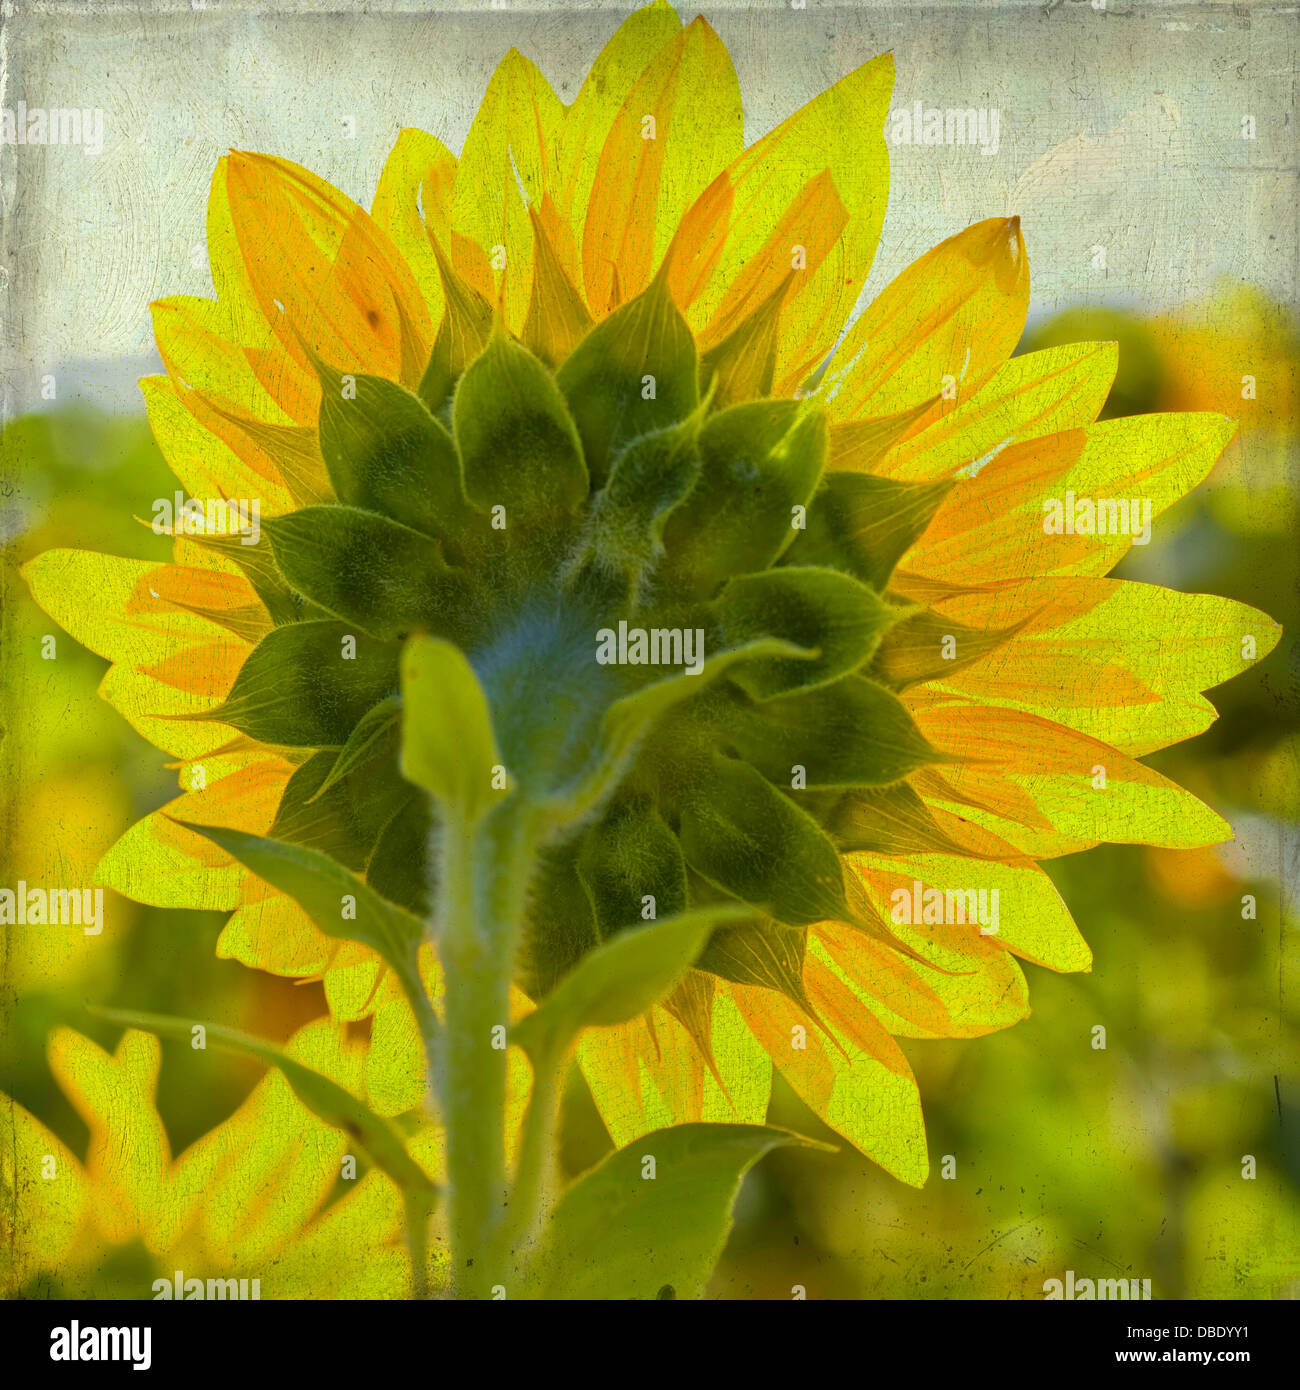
[485,873]
[533,1190]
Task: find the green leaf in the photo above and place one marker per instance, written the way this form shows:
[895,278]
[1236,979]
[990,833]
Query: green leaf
[617,1234]
[758,462]
[375,573]
[386,453]
[322,887]
[854,733]
[864,525]
[742,835]
[819,610]
[620,979]
[448,746]
[633,373]
[326,1099]
[517,441]
[300,687]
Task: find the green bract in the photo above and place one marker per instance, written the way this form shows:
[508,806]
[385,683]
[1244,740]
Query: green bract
[648,615]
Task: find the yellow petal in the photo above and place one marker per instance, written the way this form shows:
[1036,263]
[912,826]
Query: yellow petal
[1040,393]
[1014,906]
[128,1154]
[415,186]
[1087,791]
[839,132]
[206,465]
[985,992]
[325,276]
[1116,660]
[505,168]
[587,122]
[945,325]
[868,1096]
[643,1081]
[678,128]
[396,1075]
[994,526]
[274,934]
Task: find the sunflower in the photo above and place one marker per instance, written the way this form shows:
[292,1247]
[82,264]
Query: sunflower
[594,387]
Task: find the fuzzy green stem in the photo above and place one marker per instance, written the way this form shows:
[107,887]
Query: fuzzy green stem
[485,873]
[533,1191]
[417,1211]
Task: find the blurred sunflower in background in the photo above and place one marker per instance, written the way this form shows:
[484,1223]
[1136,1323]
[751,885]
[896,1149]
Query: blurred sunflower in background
[631,336]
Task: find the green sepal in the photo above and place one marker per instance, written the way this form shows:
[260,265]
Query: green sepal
[463,333]
[623,536]
[743,364]
[888,820]
[377,733]
[518,444]
[743,836]
[344,819]
[858,445]
[298,689]
[864,525]
[371,571]
[295,451]
[758,463]
[628,855]
[603,379]
[926,646]
[401,865]
[854,733]
[561,926]
[386,453]
[628,721]
[257,562]
[620,979]
[557,319]
[759,951]
[821,611]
